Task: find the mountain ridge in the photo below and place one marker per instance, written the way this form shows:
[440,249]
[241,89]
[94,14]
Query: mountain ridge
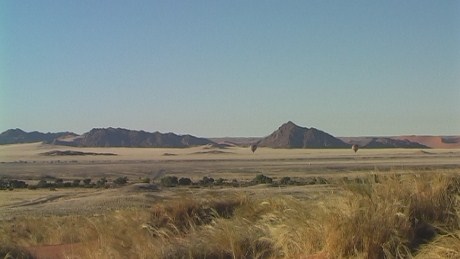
[105,137]
[17,136]
[288,135]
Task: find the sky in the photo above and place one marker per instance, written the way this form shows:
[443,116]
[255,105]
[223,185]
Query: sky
[231,68]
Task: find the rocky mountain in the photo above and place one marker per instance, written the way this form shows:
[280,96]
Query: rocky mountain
[118,137]
[15,136]
[289,135]
[104,137]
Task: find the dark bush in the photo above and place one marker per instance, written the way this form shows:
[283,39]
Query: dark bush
[220,181]
[285,180]
[121,180]
[58,181]
[207,181]
[101,182]
[185,181]
[262,179]
[43,184]
[321,180]
[17,184]
[169,181]
[87,181]
[76,183]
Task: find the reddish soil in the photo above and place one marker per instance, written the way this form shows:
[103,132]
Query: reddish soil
[61,251]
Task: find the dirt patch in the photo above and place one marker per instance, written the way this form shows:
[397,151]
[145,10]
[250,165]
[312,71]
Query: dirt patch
[54,251]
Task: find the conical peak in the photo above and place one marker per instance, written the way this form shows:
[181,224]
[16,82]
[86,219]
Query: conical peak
[289,124]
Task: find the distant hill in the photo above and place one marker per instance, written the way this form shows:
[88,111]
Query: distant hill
[393,143]
[104,137]
[289,135]
[382,142]
[16,136]
[118,137]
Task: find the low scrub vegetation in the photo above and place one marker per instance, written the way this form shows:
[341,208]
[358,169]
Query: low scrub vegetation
[390,216]
[173,181]
[11,184]
[166,181]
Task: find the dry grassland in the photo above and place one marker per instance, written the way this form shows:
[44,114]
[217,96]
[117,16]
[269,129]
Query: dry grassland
[375,204]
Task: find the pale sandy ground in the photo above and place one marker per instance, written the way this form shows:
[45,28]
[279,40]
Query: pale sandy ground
[26,162]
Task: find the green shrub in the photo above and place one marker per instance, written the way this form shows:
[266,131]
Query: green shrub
[285,180]
[185,181]
[86,181]
[76,183]
[169,181]
[207,181]
[58,182]
[43,184]
[262,179]
[220,181]
[101,182]
[121,180]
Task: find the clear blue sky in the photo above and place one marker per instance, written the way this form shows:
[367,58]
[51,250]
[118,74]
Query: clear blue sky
[231,68]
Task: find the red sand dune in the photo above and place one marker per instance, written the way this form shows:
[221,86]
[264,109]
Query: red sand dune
[434,141]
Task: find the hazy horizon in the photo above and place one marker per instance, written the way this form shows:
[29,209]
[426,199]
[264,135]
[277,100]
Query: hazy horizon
[231,69]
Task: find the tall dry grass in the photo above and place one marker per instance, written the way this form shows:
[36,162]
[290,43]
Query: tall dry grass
[389,216]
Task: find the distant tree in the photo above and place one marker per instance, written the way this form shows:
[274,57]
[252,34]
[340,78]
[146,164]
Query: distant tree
[184,181]
[101,182]
[219,181]
[285,180]
[121,180]
[86,181]
[67,184]
[321,180]
[43,184]
[58,182]
[76,183]
[207,180]
[262,179]
[17,184]
[169,181]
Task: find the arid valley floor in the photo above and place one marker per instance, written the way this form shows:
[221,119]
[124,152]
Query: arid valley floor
[74,214]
